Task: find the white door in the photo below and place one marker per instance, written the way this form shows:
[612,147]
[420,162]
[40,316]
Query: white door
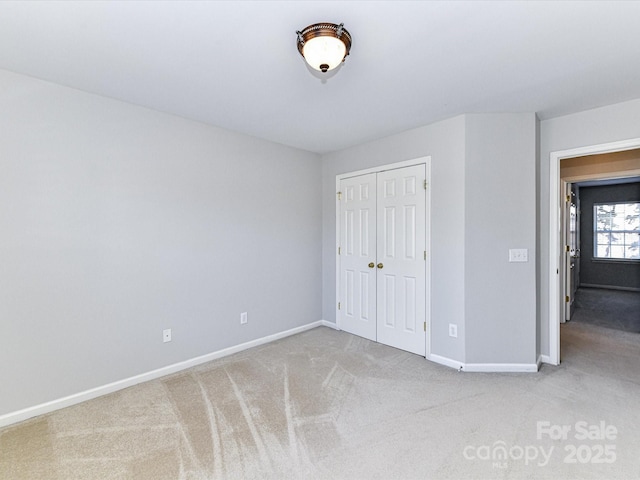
[358,255]
[382,257]
[401,259]
[572,252]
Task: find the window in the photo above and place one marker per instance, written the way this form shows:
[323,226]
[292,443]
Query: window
[617,230]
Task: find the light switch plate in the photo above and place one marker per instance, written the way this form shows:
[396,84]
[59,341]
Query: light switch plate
[518,255]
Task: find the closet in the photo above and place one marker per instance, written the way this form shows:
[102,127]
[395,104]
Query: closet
[382,256]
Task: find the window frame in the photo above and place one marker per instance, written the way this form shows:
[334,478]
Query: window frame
[611,231]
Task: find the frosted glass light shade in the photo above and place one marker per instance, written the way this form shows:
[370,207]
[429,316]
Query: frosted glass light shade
[324,46]
[324,53]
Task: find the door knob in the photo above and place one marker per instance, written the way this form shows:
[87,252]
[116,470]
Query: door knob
[380,265]
[371,265]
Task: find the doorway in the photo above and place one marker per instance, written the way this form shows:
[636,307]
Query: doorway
[382,260]
[557,247]
[608,293]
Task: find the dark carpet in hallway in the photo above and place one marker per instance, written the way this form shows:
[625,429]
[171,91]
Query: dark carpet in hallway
[616,309]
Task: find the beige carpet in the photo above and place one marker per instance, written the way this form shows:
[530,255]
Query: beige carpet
[326,404]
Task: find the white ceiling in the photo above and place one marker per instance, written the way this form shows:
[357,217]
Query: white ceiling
[235,64]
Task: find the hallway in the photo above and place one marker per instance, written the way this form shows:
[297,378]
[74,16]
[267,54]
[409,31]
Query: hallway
[617,309]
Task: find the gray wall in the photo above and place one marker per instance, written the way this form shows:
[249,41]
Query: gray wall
[603,272]
[500,196]
[593,127]
[482,204]
[444,142]
[118,222]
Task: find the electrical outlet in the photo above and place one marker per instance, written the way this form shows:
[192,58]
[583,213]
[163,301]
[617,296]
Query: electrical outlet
[166,335]
[243,318]
[453,330]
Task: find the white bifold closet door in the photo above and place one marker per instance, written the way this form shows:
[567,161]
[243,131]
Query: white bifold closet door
[382,257]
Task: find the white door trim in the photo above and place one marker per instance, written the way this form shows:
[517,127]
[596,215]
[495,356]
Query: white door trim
[556,266]
[406,163]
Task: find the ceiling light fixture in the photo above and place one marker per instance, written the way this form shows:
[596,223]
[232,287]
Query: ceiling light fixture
[324,45]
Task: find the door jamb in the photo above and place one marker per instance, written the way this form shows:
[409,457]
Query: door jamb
[556,288]
[382,168]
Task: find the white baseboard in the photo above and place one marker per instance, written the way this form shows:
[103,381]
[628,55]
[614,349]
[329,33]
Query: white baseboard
[484,367]
[326,323]
[610,287]
[545,359]
[30,412]
[446,361]
[500,367]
